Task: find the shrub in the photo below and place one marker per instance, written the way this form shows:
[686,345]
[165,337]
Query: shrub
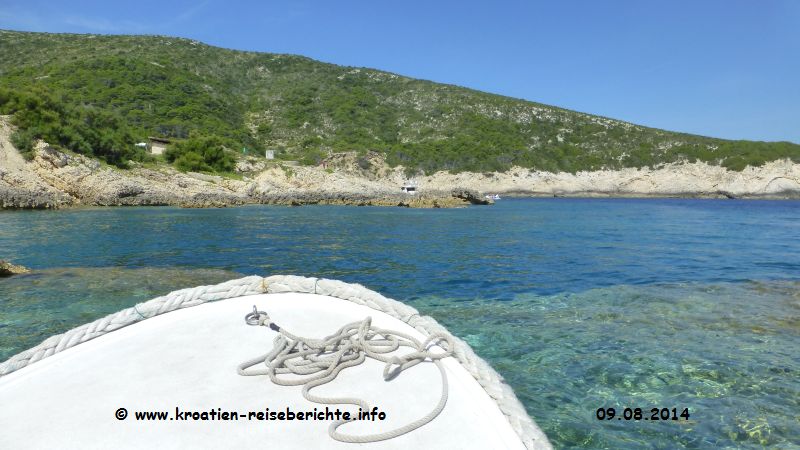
[201,153]
[191,161]
[23,140]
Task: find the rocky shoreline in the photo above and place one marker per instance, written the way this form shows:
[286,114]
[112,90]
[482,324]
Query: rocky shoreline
[56,179]
[774,180]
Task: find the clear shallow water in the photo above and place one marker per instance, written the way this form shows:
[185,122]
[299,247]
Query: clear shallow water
[580,304]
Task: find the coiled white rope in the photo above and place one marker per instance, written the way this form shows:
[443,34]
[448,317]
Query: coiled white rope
[319,361]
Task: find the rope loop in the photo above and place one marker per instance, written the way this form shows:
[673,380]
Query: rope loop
[314,362]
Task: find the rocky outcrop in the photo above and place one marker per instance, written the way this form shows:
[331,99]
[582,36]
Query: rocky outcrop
[88,182]
[54,179]
[12,197]
[471,196]
[7,269]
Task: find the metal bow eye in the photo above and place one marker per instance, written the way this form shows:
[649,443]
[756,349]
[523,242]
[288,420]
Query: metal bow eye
[254,318]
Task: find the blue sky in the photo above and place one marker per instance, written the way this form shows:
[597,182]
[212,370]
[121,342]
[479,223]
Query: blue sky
[724,68]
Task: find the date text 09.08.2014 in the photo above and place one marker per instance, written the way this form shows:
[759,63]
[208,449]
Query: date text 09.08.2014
[654,414]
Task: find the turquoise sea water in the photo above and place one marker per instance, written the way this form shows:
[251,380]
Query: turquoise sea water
[579,304]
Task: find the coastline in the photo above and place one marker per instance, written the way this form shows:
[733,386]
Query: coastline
[56,179]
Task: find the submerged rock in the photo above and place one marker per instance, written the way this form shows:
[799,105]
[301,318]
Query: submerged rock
[7,269]
[433,199]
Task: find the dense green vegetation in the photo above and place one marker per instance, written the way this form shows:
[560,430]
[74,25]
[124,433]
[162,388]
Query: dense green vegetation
[99,95]
[83,129]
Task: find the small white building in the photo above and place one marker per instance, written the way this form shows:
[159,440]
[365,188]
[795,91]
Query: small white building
[158,145]
[269,154]
[409,187]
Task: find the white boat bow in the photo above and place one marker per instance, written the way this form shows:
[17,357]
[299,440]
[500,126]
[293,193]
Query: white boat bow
[64,395]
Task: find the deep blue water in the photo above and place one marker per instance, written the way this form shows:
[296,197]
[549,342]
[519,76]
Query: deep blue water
[579,303]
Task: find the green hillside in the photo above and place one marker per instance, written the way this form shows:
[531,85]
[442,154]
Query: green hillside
[98,95]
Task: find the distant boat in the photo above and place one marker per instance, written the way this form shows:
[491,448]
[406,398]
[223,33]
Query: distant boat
[493,197]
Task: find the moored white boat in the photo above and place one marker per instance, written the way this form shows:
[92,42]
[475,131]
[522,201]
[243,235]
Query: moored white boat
[109,383]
